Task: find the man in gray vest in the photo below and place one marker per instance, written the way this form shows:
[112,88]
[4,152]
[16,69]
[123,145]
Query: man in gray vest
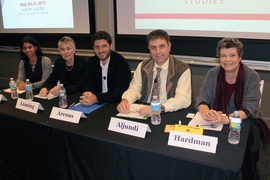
[173,77]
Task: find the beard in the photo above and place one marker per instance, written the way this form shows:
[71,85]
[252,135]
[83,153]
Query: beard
[105,58]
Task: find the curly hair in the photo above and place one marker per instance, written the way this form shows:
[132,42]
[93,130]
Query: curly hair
[230,43]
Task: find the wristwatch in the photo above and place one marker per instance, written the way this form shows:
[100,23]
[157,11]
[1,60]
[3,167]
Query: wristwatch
[162,108]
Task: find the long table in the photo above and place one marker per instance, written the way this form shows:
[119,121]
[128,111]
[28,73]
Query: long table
[34,146]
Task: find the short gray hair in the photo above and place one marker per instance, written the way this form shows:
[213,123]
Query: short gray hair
[230,43]
[66,39]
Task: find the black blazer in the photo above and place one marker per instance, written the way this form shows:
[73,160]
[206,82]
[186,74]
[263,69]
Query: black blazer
[72,80]
[118,78]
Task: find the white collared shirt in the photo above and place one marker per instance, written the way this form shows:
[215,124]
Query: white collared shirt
[104,75]
[182,98]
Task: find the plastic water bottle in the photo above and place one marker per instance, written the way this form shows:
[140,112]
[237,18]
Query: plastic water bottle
[62,96]
[235,128]
[28,90]
[13,89]
[155,106]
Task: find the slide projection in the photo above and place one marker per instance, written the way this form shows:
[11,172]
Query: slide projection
[202,18]
[47,16]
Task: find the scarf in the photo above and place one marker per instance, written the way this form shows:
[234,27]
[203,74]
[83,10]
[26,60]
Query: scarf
[220,101]
[219,104]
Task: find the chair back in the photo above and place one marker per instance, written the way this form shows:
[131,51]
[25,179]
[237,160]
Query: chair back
[261,90]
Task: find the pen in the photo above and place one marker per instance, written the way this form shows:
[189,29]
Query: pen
[71,105]
[209,125]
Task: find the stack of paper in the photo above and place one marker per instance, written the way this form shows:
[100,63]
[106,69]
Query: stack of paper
[48,96]
[8,91]
[198,121]
[133,112]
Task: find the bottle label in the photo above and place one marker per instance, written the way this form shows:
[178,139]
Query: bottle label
[28,87]
[235,123]
[12,85]
[155,107]
[62,93]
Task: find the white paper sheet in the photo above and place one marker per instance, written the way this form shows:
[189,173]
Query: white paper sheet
[133,112]
[8,91]
[49,96]
[199,121]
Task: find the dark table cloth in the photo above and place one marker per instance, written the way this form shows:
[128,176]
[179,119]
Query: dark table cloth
[33,146]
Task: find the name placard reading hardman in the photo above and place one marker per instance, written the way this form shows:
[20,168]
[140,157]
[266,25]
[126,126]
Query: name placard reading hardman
[27,105]
[128,127]
[193,141]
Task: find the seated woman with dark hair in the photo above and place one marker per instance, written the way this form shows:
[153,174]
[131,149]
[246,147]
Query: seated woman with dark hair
[33,65]
[69,70]
[230,87]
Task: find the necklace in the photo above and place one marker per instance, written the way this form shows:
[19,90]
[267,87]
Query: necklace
[32,63]
[68,68]
[33,68]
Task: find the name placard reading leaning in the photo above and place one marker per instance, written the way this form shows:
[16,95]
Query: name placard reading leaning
[193,141]
[128,127]
[27,105]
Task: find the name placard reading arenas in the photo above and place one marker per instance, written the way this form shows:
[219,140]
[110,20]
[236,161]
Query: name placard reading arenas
[66,115]
[193,141]
[128,127]
[27,105]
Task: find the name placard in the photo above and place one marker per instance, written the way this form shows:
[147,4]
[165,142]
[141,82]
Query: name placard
[193,141]
[28,105]
[3,98]
[188,129]
[66,115]
[128,127]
